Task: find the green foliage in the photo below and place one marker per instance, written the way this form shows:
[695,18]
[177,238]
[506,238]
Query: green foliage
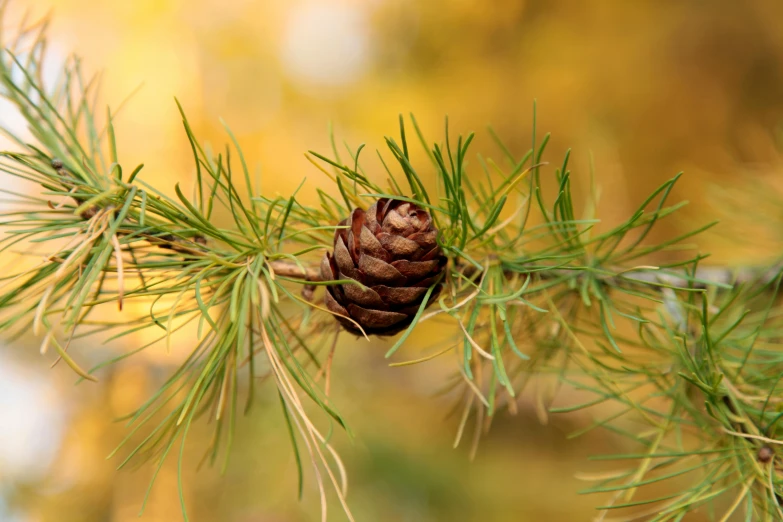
[681,361]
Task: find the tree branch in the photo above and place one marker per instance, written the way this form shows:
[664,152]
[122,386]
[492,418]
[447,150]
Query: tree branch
[716,275]
[294,271]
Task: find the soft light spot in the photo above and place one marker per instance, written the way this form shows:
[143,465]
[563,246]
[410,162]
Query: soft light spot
[31,422]
[326,44]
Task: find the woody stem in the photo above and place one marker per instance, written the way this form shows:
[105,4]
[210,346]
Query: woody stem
[709,275]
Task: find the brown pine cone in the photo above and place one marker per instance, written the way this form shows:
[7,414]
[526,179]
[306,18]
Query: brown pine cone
[392,250]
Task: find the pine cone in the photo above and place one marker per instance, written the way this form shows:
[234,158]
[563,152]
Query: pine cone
[392,250]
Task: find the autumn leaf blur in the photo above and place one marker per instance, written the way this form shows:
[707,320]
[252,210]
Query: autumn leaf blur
[641,90]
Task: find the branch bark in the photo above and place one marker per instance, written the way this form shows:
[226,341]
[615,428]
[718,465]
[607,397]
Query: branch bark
[294,271]
[722,275]
[734,276]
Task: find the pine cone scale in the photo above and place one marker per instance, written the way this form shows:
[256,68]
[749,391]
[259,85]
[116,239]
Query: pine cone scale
[428,282]
[398,245]
[373,319]
[343,259]
[333,305]
[426,240]
[391,252]
[415,269]
[396,224]
[364,296]
[326,268]
[399,295]
[372,245]
[379,271]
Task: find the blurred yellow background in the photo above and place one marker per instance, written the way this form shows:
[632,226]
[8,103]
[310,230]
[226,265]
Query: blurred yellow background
[649,88]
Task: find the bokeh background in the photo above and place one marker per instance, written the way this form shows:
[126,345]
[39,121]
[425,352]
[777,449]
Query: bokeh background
[645,88]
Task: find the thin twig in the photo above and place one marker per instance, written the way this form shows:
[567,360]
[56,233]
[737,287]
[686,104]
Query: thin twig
[711,275]
[294,271]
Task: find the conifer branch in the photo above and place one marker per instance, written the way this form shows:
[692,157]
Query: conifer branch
[679,362]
